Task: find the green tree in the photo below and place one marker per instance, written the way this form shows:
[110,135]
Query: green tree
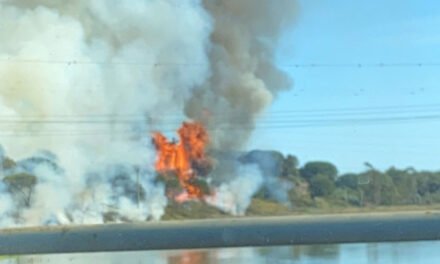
[290,167]
[349,180]
[314,168]
[8,163]
[321,185]
[405,183]
[428,186]
[379,190]
[346,196]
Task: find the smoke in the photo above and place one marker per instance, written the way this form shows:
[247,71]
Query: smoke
[80,79]
[244,78]
[235,196]
[270,163]
[89,80]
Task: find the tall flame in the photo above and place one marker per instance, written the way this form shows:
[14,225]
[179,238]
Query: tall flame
[181,157]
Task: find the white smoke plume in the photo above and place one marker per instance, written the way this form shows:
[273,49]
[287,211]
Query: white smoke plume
[89,80]
[235,196]
[80,78]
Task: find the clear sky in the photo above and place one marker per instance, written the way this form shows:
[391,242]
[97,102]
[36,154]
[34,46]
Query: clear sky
[367,32]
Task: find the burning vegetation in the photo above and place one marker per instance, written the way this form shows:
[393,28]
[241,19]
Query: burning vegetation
[184,159]
[95,161]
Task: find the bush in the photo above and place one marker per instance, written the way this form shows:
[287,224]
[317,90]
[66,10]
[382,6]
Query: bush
[349,180]
[8,163]
[321,185]
[314,168]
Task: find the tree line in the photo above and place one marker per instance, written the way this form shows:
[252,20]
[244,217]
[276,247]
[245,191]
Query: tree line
[320,181]
[315,184]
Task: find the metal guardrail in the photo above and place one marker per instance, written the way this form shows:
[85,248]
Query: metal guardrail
[238,232]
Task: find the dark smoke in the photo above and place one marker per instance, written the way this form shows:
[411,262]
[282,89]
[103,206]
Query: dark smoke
[244,79]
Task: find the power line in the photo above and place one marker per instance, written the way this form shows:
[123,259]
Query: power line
[80,62]
[379,113]
[128,117]
[74,62]
[318,118]
[276,119]
[368,108]
[285,126]
[362,65]
[358,123]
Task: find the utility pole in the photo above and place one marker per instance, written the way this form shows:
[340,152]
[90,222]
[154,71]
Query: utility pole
[360,182]
[138,193]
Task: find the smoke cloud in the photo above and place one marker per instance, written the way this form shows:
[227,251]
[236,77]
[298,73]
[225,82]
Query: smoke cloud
[244,79]
[89,80]
[235,196]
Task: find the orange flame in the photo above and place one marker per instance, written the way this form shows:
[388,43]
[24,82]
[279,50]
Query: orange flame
[190,257]
[179,157]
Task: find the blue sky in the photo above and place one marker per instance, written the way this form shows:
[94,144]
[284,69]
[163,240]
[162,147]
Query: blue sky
[375,31]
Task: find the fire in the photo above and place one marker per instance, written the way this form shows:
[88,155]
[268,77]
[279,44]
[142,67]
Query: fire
[183,156]
[190,257]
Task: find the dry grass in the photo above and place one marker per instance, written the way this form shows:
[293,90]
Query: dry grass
[262,207]
[191,210]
